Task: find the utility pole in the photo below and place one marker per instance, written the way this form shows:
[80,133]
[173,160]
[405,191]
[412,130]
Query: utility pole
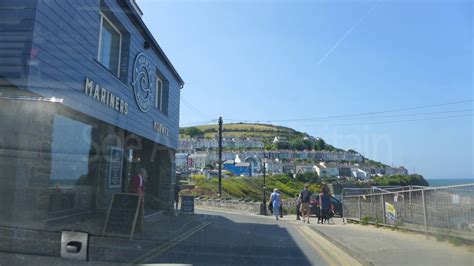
[220,157]
[264,188]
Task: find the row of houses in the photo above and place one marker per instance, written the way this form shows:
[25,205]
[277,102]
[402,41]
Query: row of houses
[200,160]
[191,145]
[253,165]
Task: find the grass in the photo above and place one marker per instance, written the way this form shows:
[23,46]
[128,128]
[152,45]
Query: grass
[248,188]
[456,241]
[365,220]
[248,130]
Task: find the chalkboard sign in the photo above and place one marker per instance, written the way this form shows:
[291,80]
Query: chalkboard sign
[114,170]
[187,204]
[122,215]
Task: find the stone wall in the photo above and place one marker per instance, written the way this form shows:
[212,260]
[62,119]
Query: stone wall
[236,205]
[240,205]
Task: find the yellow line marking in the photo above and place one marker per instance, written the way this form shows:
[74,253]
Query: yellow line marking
[328,251]
[321,251]
[166,246]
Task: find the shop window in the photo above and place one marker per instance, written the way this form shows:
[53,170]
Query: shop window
[110,46]
[70,186]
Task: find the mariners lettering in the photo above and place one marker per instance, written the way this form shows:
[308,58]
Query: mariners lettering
[104,96]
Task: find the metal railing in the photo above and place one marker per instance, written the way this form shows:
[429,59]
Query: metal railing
[438,210]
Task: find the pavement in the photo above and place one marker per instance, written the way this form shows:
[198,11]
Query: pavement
[382,246]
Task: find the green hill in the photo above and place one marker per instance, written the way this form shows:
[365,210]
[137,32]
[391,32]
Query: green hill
[288,137]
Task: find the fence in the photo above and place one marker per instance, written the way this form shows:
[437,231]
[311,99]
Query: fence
[441,210]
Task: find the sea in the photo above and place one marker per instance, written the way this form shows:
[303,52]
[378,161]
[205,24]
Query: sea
[449,182]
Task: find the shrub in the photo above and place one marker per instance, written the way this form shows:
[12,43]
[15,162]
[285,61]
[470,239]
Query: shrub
[198,178]
[456,241]
[365,220]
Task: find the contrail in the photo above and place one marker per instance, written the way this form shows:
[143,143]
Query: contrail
[346,34]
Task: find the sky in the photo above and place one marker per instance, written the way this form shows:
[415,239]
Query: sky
[320,66]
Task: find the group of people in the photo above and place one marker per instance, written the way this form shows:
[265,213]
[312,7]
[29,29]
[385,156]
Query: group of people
[322,202]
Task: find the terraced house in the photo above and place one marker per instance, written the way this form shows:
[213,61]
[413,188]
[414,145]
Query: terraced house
[87,97]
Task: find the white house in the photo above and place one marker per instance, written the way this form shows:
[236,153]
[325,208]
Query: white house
[181,160]
[324,170]
[199,160]
[300,169]
[274,166]
[359,173]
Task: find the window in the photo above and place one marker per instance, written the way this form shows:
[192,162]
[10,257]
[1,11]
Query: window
[159,94]
[70,181]
[110,44]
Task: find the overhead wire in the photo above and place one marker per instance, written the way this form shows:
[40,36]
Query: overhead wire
[352,115]
[196,111]
[395,121]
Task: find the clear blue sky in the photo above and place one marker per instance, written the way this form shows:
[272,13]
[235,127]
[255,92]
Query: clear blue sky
[277,60]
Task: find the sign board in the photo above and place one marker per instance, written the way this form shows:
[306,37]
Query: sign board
[390,213]
[114,169]
[122,215]
[187,204]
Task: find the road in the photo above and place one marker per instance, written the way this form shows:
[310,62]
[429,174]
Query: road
[229,238]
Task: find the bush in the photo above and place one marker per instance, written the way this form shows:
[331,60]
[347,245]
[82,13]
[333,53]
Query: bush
[365,220]
[198,178]
[456,241]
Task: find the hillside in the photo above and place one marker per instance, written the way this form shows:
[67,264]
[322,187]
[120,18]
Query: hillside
[247,130]
[288,137]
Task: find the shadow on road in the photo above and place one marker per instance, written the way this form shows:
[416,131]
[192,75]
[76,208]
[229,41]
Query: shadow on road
[198,239]
[225,241]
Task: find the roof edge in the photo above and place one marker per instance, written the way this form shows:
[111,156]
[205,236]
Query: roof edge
[136,18]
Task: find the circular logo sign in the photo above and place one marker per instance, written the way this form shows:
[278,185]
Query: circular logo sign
[142,83]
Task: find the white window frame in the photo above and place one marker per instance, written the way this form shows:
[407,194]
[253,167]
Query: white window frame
[158,93]
[102,17]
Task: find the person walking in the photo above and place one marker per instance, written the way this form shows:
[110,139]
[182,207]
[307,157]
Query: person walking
[298,207]
[275,198]
[137,186]
[324,204]
[281,206]
[177,189]
[305,197]
[137,183]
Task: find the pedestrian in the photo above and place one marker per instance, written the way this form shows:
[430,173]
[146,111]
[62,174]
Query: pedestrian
[305,197]
[137,186]
[177,189]
[275,199]
[324,204]
[298,207]
[281,206]
[137,183]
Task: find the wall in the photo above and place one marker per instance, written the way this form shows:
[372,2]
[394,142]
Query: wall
[66,39]
[16,27]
